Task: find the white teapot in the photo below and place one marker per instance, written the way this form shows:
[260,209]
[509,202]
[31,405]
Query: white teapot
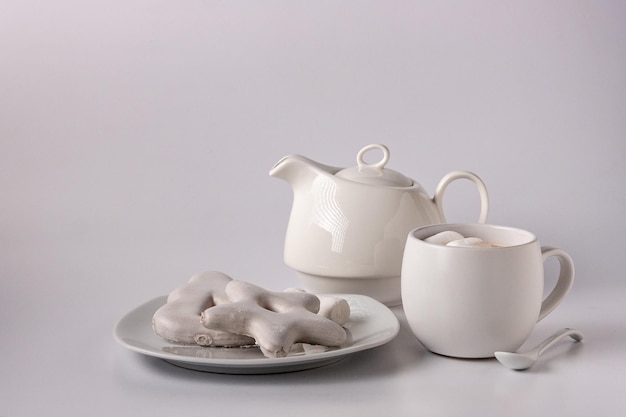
[348,227]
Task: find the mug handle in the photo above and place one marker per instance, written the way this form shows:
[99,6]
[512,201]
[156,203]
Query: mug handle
[563,284]
[455,175]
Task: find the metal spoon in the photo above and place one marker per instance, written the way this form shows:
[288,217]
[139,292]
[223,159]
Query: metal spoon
[520,361]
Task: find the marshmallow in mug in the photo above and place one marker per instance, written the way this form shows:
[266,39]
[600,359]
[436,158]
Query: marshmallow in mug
[452,238]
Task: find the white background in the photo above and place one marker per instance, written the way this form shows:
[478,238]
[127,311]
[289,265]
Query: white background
[135,143]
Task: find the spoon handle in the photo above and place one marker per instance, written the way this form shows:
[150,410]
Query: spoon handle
[574,334]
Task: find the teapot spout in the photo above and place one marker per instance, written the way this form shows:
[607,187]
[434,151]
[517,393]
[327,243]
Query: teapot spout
[295,168]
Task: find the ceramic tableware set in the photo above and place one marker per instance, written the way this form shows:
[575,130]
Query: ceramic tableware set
[366,233]
[362,230]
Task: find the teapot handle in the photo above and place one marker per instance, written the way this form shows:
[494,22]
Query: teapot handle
[455,175]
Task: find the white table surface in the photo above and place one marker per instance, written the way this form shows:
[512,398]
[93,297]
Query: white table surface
[135,142]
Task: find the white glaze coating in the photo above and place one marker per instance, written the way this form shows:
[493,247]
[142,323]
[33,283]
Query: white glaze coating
[334,308]
[276,320]
[179,319]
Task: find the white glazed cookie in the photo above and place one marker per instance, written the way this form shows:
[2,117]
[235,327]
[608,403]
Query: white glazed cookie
[276,320]
[334,308]
[179,319]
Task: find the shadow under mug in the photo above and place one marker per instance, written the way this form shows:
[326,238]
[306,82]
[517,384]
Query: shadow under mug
[470,302]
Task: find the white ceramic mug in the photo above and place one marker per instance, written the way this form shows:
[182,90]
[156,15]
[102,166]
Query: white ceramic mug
[470,302]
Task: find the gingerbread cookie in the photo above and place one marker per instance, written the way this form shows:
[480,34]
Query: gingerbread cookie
[179,319]
[276,320]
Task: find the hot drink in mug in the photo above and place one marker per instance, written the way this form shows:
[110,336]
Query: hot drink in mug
[471,300]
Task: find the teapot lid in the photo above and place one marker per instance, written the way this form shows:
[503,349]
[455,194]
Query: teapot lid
[375,173]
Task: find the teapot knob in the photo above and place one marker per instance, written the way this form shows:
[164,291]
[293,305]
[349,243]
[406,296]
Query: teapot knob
[380,164]
[375,173]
